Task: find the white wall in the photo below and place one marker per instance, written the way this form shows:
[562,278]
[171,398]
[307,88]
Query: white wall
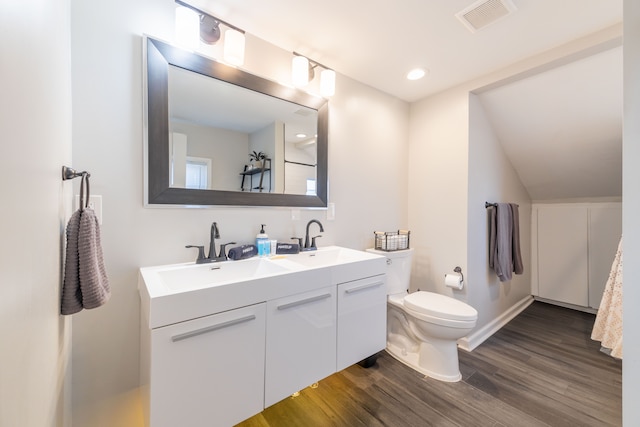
[631,213]
[35,129]
[492,178]
[365,185]
[456,164]
[438,176]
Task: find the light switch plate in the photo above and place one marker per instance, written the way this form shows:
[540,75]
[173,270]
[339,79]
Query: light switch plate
[331,211]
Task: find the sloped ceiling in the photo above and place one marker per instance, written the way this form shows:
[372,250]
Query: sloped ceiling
[561,129]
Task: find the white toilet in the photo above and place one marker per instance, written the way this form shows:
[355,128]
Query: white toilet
[423,327]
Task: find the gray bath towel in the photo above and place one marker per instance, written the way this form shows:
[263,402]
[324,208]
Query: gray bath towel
[518,268]
[504,241]
[503,258]
[85,279]
[492,237]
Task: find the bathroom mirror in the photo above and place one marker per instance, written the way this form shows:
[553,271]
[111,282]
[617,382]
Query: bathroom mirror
[205,118]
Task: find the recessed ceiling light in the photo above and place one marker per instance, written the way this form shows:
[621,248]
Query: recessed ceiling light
[416,74]
[301,135]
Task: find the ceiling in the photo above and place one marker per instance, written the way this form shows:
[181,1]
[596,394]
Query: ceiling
[543,122]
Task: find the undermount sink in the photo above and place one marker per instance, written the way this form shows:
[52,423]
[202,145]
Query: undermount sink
[328,256]
[190,277]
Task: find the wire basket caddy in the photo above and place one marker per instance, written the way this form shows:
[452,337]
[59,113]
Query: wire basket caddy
[391,240]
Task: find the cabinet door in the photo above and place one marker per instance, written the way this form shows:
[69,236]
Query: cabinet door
[301,342]
[362,320]
[605,229]
[562,254]
[208,371]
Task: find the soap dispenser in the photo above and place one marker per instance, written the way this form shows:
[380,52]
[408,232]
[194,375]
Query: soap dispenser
[262,242]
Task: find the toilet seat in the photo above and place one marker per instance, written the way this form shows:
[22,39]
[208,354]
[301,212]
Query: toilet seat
[441,306]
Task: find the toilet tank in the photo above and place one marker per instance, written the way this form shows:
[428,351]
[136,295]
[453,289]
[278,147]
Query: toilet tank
[398,269]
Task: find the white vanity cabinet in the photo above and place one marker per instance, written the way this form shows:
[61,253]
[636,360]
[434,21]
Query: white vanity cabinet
[362,320]
[219,343]
[301,342]
[208,371]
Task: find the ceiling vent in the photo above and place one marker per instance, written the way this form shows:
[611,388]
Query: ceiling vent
[484,13]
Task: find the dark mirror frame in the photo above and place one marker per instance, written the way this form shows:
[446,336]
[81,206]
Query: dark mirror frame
[159,56]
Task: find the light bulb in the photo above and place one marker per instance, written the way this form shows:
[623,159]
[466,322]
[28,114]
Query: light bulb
[187,28]
[234,47]
[300,71]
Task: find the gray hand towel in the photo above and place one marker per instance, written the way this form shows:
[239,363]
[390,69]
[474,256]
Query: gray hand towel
[287,248]
[85,280]
[242,252]
[71,294]
[94,283]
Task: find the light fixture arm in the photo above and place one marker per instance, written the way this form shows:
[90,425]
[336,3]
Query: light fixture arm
[312,64]
[200,12]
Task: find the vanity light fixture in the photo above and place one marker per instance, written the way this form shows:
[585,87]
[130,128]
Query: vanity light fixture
[206,28]
[303,71]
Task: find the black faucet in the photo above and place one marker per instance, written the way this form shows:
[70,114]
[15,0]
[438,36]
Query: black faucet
[310,245]
[215,234]
[222,256]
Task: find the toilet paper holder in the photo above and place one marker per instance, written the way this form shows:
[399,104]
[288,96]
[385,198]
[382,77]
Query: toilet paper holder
[459,270]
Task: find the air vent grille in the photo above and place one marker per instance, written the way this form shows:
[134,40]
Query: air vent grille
[484,13]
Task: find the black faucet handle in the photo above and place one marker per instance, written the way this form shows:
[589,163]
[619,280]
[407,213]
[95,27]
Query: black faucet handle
[223,250]
[313,241]
[200,253]
[299,239]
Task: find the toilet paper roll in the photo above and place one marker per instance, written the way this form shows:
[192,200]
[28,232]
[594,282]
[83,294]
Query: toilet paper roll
[453,281]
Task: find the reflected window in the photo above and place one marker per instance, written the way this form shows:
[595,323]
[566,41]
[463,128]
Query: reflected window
[311,187]
[198,173]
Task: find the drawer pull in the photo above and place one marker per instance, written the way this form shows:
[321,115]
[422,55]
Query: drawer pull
[363,287]
[303,301]
[212,328]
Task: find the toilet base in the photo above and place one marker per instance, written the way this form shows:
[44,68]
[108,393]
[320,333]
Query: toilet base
[412,360]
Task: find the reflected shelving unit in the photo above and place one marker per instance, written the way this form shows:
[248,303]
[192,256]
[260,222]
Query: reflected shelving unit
[251,173]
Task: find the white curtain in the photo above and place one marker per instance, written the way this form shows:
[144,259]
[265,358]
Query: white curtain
[608,326]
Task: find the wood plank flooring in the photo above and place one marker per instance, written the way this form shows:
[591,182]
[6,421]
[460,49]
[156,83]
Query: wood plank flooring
[542,369]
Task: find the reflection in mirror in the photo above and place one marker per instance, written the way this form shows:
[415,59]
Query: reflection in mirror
[211,141]
[207,120]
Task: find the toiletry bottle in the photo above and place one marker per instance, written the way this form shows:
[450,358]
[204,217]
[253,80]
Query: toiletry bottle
[262,242]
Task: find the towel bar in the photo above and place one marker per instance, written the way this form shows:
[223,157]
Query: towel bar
[69,173]
[495,205]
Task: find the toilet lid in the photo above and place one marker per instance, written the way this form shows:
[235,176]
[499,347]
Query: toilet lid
[440,306]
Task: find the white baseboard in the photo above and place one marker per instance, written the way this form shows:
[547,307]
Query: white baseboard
[476,338]
[567,305]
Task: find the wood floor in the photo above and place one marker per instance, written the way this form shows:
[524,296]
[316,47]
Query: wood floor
[542,369]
